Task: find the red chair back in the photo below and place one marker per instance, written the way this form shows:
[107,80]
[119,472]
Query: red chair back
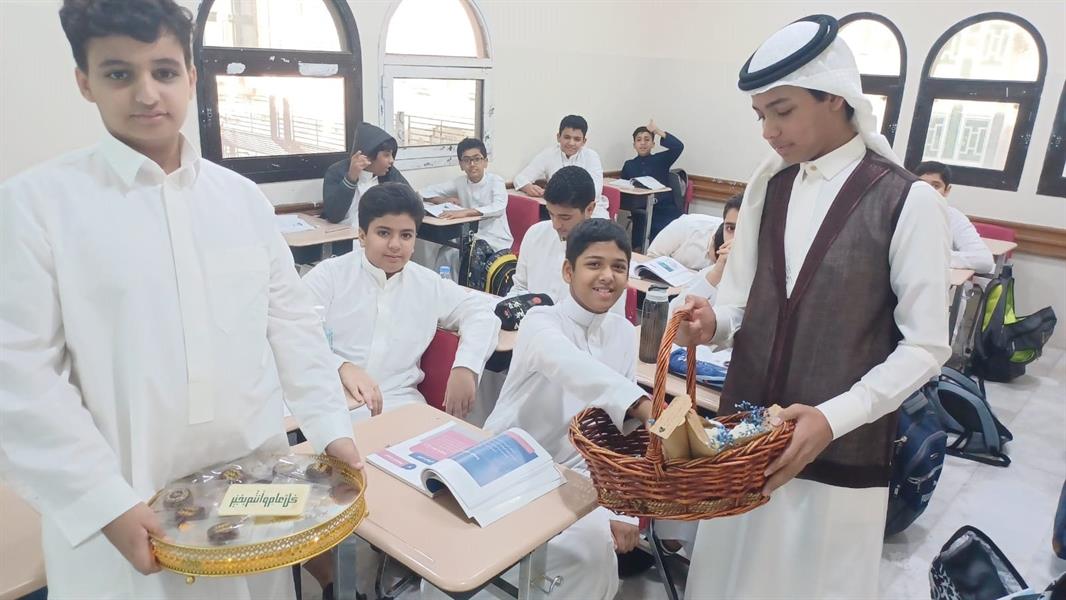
[437,363]
[631,305]
[995,232]
[614,200]
[689,190]
[522,213]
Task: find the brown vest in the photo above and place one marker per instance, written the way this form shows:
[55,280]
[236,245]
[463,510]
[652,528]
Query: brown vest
[838,322]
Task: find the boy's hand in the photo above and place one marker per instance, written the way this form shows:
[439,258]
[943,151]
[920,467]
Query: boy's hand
[625,536]
[714,276]
[701,323]
[459,214]
[356,167]
[460,393]
[811,436]
[128,533]
[361,387]
[641,410]
[344,449]
[654,129]
[532,189]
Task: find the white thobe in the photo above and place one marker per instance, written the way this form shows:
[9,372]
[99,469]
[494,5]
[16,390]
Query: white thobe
[817,540]
[565,360]
[552,158]
[540,267]
[687,239]
[366,181]
[384,324]
[489,197]
[698,287]
[968,250]
[150,327]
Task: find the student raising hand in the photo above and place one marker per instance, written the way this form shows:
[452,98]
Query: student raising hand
[360,387]
[359,163]
[460,393]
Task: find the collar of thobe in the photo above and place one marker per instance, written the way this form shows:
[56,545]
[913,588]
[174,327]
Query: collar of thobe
[367,177]
[127,163]
[830,165]
[586,319]
[378,275]
[572,157]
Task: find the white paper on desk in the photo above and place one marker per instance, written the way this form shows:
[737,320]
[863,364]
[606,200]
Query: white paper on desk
[438,209]
[621,183]
[292,224]
[649,182]
[664,269]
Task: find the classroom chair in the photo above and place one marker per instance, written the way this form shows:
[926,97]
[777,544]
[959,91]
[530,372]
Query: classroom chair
[631,306]
[614,200]
[437,363]
[522,213]
[996,232]
[689,191]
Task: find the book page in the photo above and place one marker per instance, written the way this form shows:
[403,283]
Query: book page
[438,209]
[650,182]
[408,460]
[666,269]
[292,224]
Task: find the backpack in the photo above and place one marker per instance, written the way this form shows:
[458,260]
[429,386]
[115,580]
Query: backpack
[971,567]
[491,270]
[917,459]
[1004,342]
[1058,528]
[965,413]
[677,181]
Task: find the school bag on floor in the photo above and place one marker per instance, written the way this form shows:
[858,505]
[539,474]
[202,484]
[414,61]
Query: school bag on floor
[677,181]
[917,459]
[965,413]
[971,567]
[1004,342]
[491,270]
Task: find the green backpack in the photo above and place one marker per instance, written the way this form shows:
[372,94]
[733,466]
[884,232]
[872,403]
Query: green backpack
[1004,342]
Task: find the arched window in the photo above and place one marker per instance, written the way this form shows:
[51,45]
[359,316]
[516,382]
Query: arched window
[980,90]
[881,56]
[280,85]
[1053,177]
[436,62]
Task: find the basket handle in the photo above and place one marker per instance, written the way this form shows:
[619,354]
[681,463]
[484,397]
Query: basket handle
[654,452]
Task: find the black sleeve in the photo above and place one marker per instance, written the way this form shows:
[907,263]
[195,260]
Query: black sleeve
[336,195]
[673,151]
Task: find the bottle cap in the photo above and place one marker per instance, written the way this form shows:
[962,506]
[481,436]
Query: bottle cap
[657,294]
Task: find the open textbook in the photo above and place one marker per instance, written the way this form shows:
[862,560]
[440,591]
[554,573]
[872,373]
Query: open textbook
[644,182]
[664,269]
[438,209]
[489,478]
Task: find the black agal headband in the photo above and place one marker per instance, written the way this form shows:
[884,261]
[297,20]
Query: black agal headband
[827,32]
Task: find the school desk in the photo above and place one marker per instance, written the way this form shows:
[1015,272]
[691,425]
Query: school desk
[21,557]
[999,249]
[706,397]
[649,204]
[432,536]
[454,233]
[323,234]
[643,285]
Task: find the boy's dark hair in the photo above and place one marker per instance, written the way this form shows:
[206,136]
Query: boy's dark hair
[574,122]
[470,144]
[732,204]
[143,20]
[820,96]
[640,130]
[935,168]
[389,144]
[390,199]
[572,187]
[589,232]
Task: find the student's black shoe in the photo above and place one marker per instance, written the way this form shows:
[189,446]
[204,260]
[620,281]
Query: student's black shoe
[634,562]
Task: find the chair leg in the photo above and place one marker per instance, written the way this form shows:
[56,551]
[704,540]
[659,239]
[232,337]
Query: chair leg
[387,592]
[660,564]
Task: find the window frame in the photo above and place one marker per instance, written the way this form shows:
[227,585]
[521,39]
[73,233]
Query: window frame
[889,86]
[212,61]
[401,66]
[1052,182]
[1024,93]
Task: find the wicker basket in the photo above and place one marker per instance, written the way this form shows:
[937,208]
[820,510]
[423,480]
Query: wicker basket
[632,476]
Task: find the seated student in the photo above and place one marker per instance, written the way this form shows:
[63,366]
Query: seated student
[570,150]
[567,357]
[705,284]
[383,311]
[346,181]
[688,240]
[968,250]
[481,194]
[652,165]
[570,196]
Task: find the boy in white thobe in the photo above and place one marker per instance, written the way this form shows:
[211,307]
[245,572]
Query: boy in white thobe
[568,357]
[481,194]
[383,311]
[968,250]
[570,196]
[570,150]
[834,300]
[156,322]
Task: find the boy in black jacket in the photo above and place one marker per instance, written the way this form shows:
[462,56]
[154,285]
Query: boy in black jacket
[346,181]
[654,165]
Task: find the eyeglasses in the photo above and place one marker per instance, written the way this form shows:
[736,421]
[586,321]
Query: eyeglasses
[472,160]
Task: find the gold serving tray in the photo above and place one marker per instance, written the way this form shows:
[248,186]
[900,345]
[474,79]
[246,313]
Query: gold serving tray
[257,557]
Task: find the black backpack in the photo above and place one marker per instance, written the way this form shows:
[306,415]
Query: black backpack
[677,181]
[964,412]
[1004,342]
[917,459]
[491,271]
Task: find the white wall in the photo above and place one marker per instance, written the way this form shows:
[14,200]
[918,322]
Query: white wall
[617,63]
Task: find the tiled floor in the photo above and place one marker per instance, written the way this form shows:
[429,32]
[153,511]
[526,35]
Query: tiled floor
[1013,505]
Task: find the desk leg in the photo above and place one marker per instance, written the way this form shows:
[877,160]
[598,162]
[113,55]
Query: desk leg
[464,255]
[327,250]
[953,311]
[531,574]
[344,577]
[1000,261]
[648,208]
